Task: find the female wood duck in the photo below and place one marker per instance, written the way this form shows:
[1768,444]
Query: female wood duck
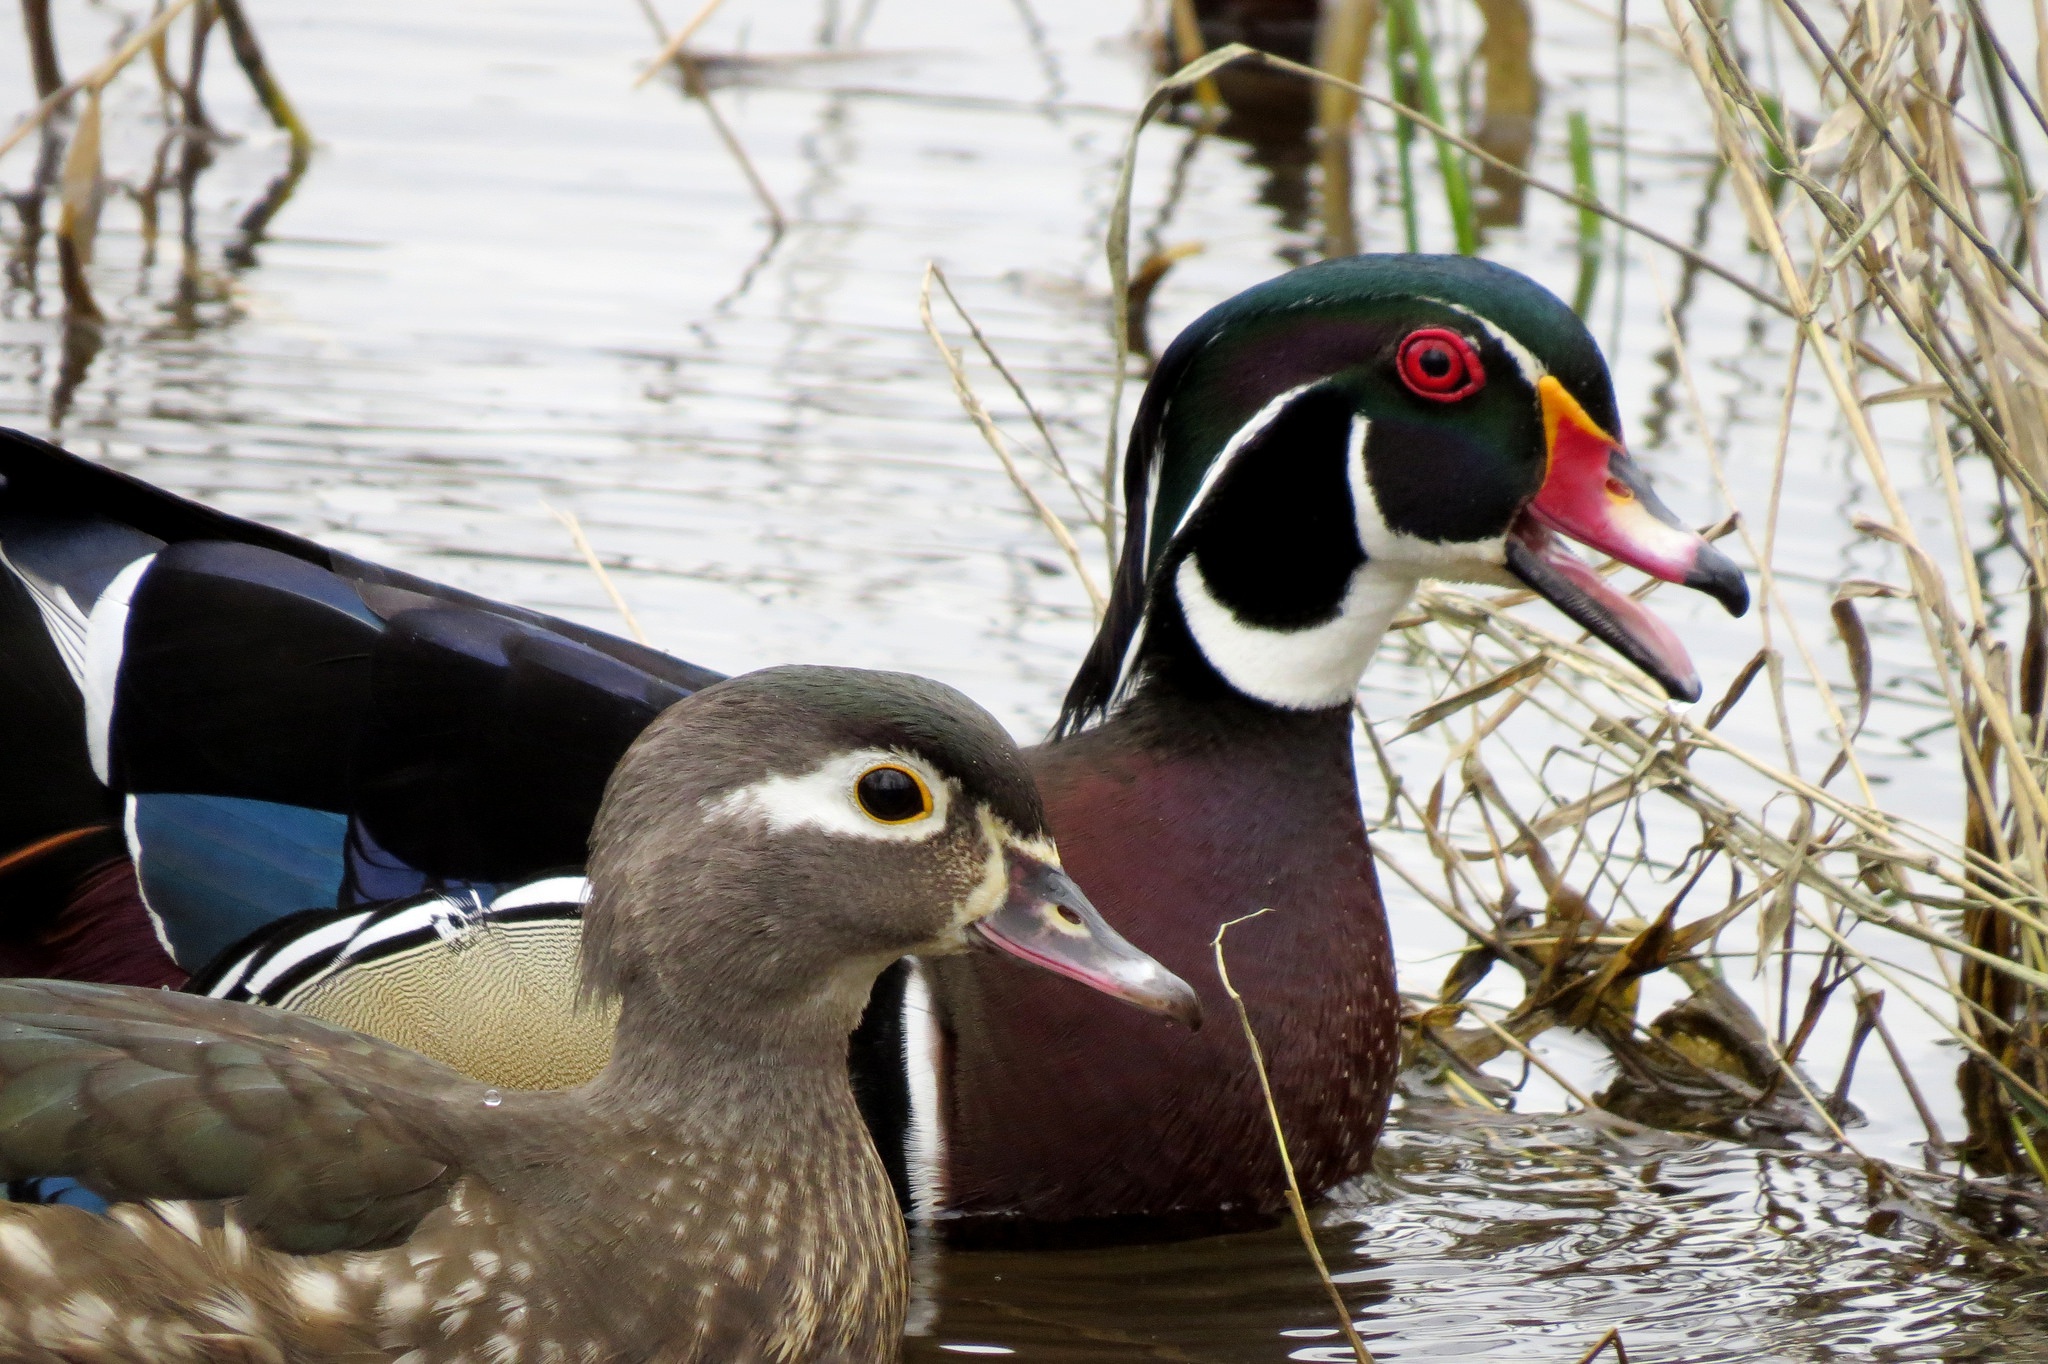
[766,847]
[265,726]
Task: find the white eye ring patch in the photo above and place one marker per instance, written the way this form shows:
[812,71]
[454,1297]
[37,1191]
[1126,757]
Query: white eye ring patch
[823,799]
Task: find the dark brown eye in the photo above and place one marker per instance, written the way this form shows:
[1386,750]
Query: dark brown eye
[893,795]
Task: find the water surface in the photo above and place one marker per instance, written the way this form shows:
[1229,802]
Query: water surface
[510,283]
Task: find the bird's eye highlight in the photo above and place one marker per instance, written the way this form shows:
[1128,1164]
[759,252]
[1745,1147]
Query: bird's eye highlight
[1440,365]
[892,795]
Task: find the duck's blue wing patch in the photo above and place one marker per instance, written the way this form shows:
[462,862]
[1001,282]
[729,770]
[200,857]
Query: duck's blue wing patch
[215,869]
[56,1189]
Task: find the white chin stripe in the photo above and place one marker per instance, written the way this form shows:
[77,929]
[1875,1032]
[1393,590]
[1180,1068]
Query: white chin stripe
[823,799]
[106,633]
[1400,553]
[1308,669]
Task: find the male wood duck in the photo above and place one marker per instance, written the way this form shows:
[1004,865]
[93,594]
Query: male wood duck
[257,726]
[765,849]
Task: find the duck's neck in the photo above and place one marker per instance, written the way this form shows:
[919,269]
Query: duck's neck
[720,1051]
[1191,806]
[717,1167]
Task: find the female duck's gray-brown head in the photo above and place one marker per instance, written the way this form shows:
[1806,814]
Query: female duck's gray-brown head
[769,844]
[1312,448]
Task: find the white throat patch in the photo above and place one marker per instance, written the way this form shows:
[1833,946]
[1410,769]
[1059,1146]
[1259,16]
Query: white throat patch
[1308,669]
[1525,360]
[823,799]
[1316,667]
[1319,666]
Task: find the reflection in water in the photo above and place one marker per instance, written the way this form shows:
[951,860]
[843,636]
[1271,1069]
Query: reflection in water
[1524,1240]
[1664,397]
[1272,113]
[70,162]
[1507,119]
[1282,118]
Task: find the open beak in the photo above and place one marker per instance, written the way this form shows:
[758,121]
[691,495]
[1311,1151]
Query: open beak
[1595,494]
[1048,922]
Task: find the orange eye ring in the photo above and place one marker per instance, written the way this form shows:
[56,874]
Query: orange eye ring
[889,793]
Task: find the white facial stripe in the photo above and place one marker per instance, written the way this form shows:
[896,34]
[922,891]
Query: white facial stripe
[823,799]
[1309,669]
[1525,360]
[1156,461]
[106,634]
[1262,419]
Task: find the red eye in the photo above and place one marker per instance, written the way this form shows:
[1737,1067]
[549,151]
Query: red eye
[1439,365]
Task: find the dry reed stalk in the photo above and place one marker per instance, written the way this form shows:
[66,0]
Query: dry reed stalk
[588,552]
[1613,1337]
[971,403]
[96,78]
[1295,1204]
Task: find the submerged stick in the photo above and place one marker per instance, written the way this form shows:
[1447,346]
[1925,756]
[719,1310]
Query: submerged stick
[692,76]
[249,56]
[673,48]
[1613,1337]
[1294,1203]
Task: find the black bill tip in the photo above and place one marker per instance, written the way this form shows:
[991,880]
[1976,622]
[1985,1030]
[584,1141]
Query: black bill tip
[1715,574]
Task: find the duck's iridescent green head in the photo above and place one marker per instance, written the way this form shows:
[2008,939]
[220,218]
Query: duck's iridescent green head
[1309,450]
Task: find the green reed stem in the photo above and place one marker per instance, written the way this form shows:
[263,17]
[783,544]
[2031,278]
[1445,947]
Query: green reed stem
[1994,73]
[1774,147]
[1450,163]
[1589,221]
